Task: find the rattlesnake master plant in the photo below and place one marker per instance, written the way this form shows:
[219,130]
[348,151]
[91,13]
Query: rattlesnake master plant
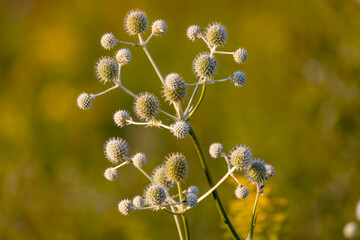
[174,170]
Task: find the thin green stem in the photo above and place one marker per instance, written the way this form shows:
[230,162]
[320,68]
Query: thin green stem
[186,225]
[177,222]
[199,101]
[253,222]
[215,194]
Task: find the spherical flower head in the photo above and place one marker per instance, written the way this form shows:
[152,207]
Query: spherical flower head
[177,168]
[216,34]
[116,150]
[121,117]
[240,55]
[241,192]
[111,174]
[147,106]
[125,207]
[239,79]
[270,171]
[158,28]
[174,88]
[194,190]
[351,230]
[256,172]
[191,200]
[159,176]
[204,65]
[138,202]
[241,157]
[216,150]
[139,160]
[108,41]
[154,195]
[84,101]
[135,22]
[193,32]
[123,56]
[180,129]
[107,69]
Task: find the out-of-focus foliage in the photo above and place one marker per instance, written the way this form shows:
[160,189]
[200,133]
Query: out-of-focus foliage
[299,110]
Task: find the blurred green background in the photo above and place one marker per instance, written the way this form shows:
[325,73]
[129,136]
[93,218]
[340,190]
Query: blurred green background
[299,110]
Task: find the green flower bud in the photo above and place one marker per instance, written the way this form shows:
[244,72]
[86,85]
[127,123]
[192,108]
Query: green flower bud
[204,65]
[256,172]
[135,22]
[239,79]
[123,56]
[174,88]
[193,32]
[84,101]
[111,174]
[139,160]
[158,28]
[120,118]
[241,157]
[216,150]
[240,55]
[241,192]
[107,69]
[108,41]
[147,106]
[177,168]
[154,195]
[191,200]
[159,176]
[125,207]
[216,34]
[138,202]
[180,129]
[116,150]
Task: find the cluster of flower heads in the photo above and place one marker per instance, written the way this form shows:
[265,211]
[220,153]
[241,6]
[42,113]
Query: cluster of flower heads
[240,158]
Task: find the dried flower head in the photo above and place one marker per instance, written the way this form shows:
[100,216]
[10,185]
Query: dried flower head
[107,69]
[191,200]
[123,56]
[158,28]
[111,174]
[239,79]
[177,168]
[116,150]
[125,207]
[240,55]
[241,192]
[84,101]
[121,117]
[147,106]
[270,170]
[108,41]
[241,157]
[138,202]
[215,150]
[194,190]
[139,160]
[135,22]
[155,195]
[256,172]
[159,176]
[174,88]
[204,65]
[193,32]
[180,129]
[216,34]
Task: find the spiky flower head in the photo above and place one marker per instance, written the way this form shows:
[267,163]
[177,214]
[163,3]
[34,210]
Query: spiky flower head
[194,190]
[256,172]
[147,106]
[270,170]
[84,101]
[154,195]
[158,28]
[241,192]
[108,41]
[135,22]
[107,69]
[174,88]
[191,200]
[123,56]
[216,34]
[111,174]
[180,129]
[351,230]
[121,117]
[240,55]
[138,202]
[240,157]
[139,160]
[193,32]
[204,65]
[239,79]
[177,168]
[116,150]
[215,150]
[125,207]
[159,176]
